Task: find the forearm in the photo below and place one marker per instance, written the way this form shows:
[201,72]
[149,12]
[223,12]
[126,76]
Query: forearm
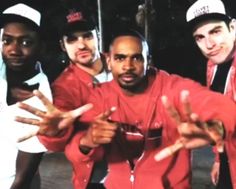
[57,143]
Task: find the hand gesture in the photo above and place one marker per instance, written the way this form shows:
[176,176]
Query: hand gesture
[52,121]
[101,131]
[193,132]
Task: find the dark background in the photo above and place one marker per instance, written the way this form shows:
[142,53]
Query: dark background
[171,44]
[172,49]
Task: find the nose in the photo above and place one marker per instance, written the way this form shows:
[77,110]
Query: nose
[128,64]
[15,48]
[209,42]
[80,43]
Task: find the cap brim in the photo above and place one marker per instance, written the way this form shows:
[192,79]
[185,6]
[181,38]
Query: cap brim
[8,18]
[77,26]
[213,16]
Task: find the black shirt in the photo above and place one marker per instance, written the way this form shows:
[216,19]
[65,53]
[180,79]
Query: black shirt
[218,85]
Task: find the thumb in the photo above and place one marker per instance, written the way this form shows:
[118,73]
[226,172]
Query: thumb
[79,111]
[107,114]
[72,115]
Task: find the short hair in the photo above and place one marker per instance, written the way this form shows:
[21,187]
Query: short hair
[130,32]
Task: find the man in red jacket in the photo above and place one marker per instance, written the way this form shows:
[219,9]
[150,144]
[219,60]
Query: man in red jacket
[79,41]
[87,66]
[214,33]
[150,116]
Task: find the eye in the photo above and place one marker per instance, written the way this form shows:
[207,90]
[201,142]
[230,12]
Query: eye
[198,38]
[88,35]
[26,42]
[6,41]
[71,39]
[138,58]
[119,58]
[217,31]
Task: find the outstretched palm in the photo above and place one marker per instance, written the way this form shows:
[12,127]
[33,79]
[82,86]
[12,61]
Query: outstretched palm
[51,122]
[193,132]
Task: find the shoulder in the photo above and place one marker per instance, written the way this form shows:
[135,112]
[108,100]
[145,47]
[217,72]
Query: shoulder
[172,84]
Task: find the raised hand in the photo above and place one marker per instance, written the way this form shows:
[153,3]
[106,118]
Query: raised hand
[101,131]
[193,132]
[51,122]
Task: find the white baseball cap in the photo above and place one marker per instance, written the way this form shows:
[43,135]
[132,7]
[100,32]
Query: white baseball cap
[20,12]
[204,10]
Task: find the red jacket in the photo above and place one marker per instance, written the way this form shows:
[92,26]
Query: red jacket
[70,91]
[230,91]
[72,82]
[157,129]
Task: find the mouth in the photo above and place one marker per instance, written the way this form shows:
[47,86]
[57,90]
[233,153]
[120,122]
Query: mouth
[128,77]
[83,53]
[213,53]
[15,61]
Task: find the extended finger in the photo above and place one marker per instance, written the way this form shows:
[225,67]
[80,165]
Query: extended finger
[171,110]
[29,135]
[49,106]
[186,111]
[31,109]
[168,151]
[79,111]
[30,121]
[106,114]
[215,130]
[70,117]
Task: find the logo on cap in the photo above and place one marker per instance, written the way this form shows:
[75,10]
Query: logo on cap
[207,8]
[74,16]
[201,11]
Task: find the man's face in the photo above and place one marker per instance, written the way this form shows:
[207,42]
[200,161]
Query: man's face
[216,40]
[20,46]
[81,47]
[128,61]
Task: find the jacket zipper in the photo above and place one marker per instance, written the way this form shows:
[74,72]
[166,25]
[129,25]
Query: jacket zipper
[132,170]
[132,178]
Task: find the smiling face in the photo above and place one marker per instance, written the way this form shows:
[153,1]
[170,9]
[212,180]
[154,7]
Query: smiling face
[128,61]
[216,40]
[20,46]
[81,47]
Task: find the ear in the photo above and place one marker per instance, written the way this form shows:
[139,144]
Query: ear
[62,45]
[108,60]
[232,24]
[149,62]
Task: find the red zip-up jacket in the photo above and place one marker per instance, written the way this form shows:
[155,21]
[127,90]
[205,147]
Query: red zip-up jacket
[155,129]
